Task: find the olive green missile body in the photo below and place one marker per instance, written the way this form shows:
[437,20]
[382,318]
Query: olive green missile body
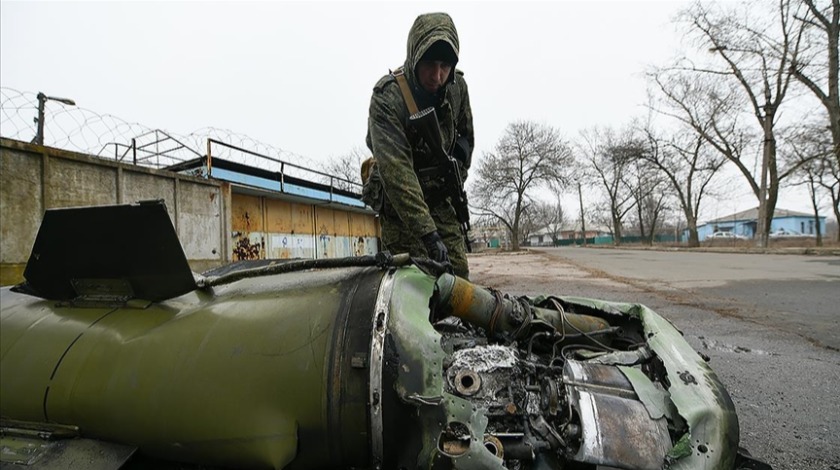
[201,378]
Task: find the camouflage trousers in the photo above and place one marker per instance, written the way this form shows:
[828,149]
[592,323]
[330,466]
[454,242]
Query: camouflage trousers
[399,238]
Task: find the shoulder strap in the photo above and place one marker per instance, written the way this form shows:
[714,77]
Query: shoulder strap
[399,74]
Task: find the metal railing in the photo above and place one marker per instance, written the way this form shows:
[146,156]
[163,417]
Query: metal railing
[334,185]
[150,153]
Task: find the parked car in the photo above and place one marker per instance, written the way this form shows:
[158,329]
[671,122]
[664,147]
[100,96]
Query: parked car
[726,235]
[783,233]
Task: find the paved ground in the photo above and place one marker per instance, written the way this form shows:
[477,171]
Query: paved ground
[769,323]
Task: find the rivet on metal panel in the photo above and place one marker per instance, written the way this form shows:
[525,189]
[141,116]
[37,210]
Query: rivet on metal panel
[687,378]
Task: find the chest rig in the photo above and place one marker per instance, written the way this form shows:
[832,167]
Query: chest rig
[429,174]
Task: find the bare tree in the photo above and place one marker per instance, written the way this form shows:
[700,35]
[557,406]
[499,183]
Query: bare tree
[601,217]
[527,156]
[610,157]
[529,222]
[686,160]
[809,175]
[650,192]
[346,170]
[550,215]
[830,181]
[756,55]
[817,68]
[817,169]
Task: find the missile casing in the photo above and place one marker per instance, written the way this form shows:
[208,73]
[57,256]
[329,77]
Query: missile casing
[252,374]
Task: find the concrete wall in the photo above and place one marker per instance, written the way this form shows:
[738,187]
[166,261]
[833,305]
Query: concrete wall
[35,178]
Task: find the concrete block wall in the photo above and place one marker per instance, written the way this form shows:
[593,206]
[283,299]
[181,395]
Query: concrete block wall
[34,178]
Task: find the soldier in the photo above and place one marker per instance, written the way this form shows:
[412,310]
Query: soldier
[404,182]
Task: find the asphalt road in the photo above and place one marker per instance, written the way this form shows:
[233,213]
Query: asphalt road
[795,293]
[770,323]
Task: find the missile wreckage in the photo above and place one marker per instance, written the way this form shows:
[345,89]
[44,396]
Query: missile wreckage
[115,355]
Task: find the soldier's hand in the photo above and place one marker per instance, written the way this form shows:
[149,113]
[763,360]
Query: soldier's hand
[435,247]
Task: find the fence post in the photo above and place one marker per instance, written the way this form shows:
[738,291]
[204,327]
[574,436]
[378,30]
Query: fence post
[209,159]
[134,150]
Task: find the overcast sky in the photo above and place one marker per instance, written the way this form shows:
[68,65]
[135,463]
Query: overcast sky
[299,75]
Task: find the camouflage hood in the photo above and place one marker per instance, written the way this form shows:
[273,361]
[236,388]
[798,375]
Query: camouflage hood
[427,30]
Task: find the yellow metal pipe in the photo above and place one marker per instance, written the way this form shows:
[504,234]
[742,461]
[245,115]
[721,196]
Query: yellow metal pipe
[502,315]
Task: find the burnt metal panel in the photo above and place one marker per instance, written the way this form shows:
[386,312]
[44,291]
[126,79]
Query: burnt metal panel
[123,251]
[617,430]
[602,377]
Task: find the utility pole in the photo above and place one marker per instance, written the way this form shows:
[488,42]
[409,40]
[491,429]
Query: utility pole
[582,215]
[42,100]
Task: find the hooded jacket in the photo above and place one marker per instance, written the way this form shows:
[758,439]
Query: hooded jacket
[397,153]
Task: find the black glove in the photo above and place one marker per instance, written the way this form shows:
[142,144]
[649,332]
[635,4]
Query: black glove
[435,247]
[462,152]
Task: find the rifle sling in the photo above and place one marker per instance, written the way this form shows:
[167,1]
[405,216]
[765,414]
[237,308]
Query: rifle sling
[399,74]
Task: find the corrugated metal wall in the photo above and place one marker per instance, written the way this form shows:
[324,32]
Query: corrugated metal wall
[267,228]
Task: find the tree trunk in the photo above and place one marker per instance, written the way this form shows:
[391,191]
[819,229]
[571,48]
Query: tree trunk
[835,205]
[514,235]
[652,234]
[812,193]
[582,215]
[693,237]
[817,225]
[616,230]
[837,217]
[640,207]
[772,198]
[768,158]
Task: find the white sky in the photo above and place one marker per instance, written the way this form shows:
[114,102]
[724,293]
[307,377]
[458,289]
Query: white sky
[299,75]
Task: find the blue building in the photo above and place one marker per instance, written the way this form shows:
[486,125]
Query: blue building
[743,224]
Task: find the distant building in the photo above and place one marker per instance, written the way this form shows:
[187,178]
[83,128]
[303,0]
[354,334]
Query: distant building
[493,236]
[745,223]
[543,236]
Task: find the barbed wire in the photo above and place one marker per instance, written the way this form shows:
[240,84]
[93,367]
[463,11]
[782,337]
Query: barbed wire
[82,130]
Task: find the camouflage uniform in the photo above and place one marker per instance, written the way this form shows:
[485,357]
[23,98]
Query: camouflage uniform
[411,205]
